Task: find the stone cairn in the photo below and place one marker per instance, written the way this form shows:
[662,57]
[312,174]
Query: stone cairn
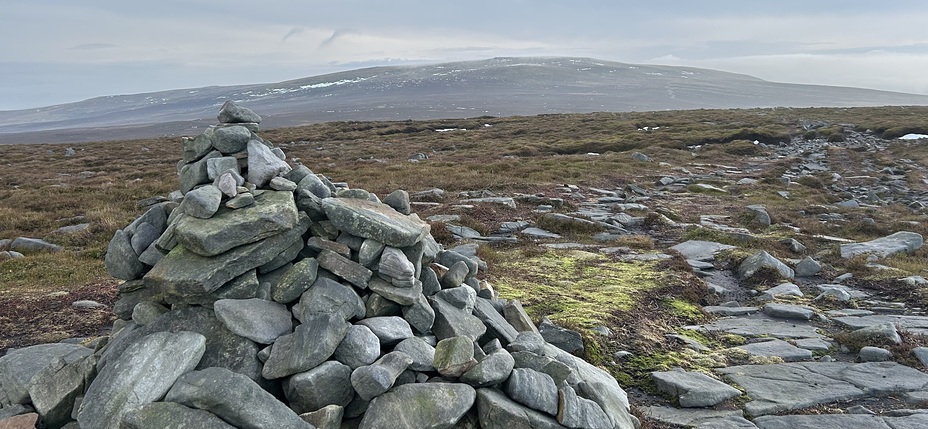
[265,296]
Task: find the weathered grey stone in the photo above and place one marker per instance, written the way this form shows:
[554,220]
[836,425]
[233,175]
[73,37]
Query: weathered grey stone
[693,389]
[327,417]
[722,310]
[183,272]
[884,333]
[318,244]
[700,250]
[491,370]
[327,296]
[430,282]
[223,348]
[777,348]
[420,315]
[461,297]
[22,421]
[451,321]
[730,422]
[450,257]
[373,380]
[244,286]
[273,213]
[527,342]
[389,329]
[232,113]
[577,412]
[454,356]
[53,389]
[121,260]
[314,185]
[903,241]
[455,275]
[377,305]
[142,374]
[145,234]
[787,289]
[811,383]
[825,421]
[228,183]
[761,260]
[18,367]
[327,384]
[395,265]
[28,246]
[789,311]
[263,164]
[759,214]
[808,267]
[597,385]
[921,353]
[760,327]
[440,406]
[161,415]
[380,222]
[195,148]
[201,203]
[498,411]
[232,139]
[564,339]
[687,417]
[369,253]
[874,354]
[399,295]
[215,167]
[196,173]
[234,398]
[359,347]
[533,389]
[421,352]
[518,318]
[295,281]
[256,319]
[146,312]
[497,326]
[399,200]
[345,268]
[311,343]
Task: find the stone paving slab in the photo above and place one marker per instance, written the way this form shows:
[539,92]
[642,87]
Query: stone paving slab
[842,421]
[686,417]
[777,348]
[915,324]
[790,386]
[760,325]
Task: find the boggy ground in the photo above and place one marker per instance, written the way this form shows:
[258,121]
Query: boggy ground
[623,290]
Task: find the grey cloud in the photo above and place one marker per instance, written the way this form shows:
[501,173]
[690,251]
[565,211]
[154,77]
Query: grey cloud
[92,46]
[337,34]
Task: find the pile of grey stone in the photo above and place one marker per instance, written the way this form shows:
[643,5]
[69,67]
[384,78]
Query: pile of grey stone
[261,295]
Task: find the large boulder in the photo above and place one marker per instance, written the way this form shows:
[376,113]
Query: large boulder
[19,367]
[762,260]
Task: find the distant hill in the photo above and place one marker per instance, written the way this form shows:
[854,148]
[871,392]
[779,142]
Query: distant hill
[495,87]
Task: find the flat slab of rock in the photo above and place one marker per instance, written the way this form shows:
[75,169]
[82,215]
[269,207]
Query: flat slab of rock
[900,242]
[234,398]
[842,421]
[700,250]
[171,415]
[256,319]
[693,389]
[28,246]
[777,348]
[185,273]
[789,311]
[310,344]
[916,324]
[363,218]
[437,405]
[688,416]
[496,410]
[18,367]
[757,326]
[812,383]
[142,374]
[722,310]
[272,213]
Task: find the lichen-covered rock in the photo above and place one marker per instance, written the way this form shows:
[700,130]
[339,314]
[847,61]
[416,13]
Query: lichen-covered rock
[420,406]
[377,221]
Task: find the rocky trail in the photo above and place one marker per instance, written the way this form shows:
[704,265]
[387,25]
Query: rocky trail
[264,295]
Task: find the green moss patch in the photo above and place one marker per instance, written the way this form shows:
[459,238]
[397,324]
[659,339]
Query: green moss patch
[578,289]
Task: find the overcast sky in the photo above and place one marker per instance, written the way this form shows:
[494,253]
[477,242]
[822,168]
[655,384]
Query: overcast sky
[58,51]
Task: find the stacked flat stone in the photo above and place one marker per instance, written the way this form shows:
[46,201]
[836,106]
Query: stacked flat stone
[312,306]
